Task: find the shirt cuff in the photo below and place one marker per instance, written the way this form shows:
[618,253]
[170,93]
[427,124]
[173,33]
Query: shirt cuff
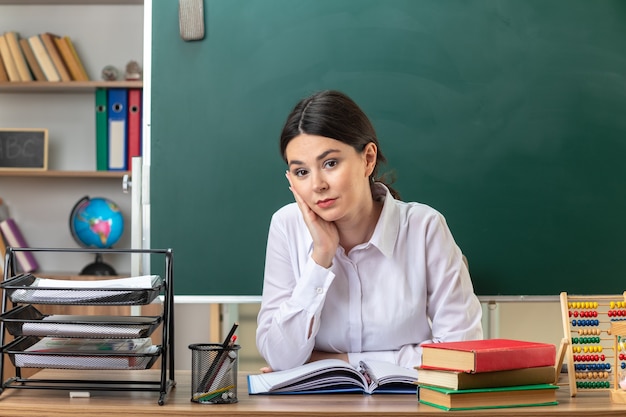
[312,286]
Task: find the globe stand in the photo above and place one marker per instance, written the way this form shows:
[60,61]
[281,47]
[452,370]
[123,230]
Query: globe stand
[98,267]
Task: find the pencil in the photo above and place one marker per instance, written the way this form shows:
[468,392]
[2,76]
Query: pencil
[218,358]
[223,367]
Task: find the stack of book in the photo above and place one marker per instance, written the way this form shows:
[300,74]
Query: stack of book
[43,57]
[492,373]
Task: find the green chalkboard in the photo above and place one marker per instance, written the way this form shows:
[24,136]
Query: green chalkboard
[509,117]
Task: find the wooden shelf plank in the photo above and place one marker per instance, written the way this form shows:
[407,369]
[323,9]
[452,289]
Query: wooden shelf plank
[62,174]
[77,2]
[64,87]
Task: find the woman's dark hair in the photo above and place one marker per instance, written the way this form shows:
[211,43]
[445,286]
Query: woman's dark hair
[334,115]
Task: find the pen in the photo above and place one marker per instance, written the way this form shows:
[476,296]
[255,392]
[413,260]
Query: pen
[367,372]
[229,337]
[224,367]
[217,361]
[221,368]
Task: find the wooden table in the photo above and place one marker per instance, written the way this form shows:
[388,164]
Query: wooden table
[56,403]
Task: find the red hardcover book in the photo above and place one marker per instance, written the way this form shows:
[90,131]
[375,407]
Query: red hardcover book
[14,238]
[134,124]
[487,355]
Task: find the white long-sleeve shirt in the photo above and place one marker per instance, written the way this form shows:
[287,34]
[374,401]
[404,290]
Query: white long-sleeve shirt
[376,302]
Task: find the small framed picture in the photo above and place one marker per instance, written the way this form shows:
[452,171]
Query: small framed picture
[24,149]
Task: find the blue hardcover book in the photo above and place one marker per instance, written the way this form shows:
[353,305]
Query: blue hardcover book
[117,129]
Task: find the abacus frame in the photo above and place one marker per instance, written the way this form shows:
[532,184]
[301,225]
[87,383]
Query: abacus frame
[605,326]
[618,329]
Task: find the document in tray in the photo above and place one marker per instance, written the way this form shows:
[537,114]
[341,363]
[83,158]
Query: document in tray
[86,326]
[70,344]
[85,290]
[93,353]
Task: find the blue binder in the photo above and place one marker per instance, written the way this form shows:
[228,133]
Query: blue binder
[117,127]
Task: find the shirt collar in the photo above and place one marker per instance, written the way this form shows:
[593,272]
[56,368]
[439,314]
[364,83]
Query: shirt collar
[387,227]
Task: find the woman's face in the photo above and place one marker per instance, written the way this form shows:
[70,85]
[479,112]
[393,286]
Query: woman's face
[331,177]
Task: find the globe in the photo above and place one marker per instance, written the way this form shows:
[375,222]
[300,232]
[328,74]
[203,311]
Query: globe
[96,223]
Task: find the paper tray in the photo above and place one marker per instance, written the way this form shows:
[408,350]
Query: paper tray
[26,320]
[26,288]
[74,360]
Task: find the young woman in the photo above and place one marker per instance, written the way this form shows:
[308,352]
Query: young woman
[351,271]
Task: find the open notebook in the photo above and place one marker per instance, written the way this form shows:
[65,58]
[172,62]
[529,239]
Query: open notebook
[334,376]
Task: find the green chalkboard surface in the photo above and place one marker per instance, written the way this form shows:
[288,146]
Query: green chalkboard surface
[507,116]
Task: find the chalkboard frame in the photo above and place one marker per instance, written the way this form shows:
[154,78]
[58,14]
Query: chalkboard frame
[38,162]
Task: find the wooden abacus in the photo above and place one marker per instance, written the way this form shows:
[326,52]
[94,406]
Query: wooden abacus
[592,359]
[618,331]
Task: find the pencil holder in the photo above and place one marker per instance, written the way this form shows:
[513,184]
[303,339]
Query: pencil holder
[214,373]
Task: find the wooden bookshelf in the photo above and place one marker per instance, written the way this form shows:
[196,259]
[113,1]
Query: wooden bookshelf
[67,109]
[64,87]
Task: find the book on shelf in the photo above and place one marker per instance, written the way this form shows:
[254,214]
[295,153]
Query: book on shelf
[3,253]
[70,59]
[44,60]
[481,398]
[465,380]
[69,42]
[33,64]
[4,77]
[336,376]
[7,58]
[48,41]
[13,38]
[14,238]
[487,355]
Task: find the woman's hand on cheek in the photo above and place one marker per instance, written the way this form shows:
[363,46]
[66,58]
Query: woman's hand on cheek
[324,234]
[307,212]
